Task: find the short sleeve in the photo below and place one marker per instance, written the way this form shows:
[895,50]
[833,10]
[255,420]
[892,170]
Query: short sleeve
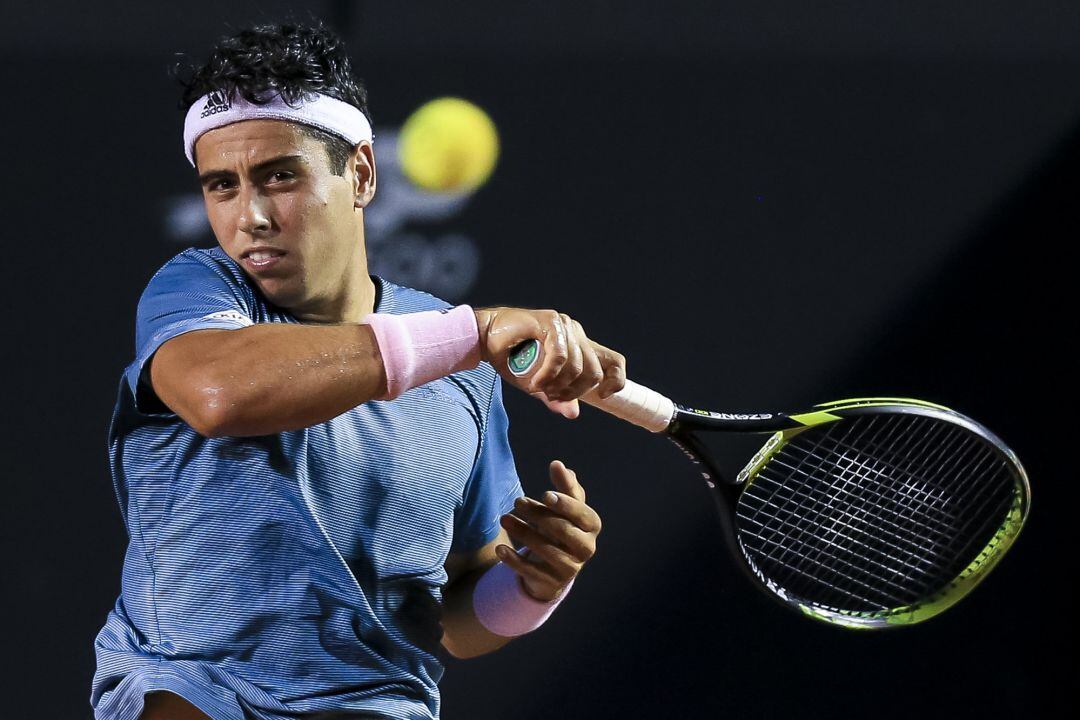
[187,294]
[493,485]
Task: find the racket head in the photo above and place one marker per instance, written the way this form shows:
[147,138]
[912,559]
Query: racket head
[874,513]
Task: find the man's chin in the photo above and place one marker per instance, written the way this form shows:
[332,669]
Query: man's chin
[279,293]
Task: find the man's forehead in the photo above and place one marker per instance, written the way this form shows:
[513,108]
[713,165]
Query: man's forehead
[251,142]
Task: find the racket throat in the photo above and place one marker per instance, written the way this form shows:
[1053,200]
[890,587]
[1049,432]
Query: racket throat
[693,449]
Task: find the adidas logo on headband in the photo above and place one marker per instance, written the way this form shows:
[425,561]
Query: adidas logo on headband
[216,102]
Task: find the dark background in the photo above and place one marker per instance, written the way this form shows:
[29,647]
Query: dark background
[763,205]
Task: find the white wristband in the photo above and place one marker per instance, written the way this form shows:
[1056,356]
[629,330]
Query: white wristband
[503,607]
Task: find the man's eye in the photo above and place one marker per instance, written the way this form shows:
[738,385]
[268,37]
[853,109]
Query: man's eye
[220,185]
[281,176]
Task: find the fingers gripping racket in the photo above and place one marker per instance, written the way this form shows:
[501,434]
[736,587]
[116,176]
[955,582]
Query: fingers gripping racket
[867,513]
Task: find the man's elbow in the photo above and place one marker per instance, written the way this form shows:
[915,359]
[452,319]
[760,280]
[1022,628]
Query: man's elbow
[205,406]
[194,391]
[209,428]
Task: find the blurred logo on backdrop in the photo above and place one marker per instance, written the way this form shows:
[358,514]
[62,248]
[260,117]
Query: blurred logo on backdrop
[409,231]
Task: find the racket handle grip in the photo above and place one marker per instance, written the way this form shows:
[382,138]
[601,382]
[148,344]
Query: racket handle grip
[636,404]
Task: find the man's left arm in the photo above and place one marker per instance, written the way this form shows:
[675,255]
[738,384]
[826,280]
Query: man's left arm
[560,535]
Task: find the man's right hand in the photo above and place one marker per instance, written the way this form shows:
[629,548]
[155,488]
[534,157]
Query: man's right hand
[570,366]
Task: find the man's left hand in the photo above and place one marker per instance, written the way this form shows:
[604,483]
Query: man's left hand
[560,534]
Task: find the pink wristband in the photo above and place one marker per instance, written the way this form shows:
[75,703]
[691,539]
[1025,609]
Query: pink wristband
[502,606]
[420,347]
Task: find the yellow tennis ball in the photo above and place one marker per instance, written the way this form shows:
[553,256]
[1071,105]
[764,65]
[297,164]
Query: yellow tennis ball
[447,145]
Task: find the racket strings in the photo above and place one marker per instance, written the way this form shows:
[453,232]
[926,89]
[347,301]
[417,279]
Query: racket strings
[948,459]
[981,462]
[898,515]
[776,526]
[880,564]
[845,472]
[794,543]
[845,543]
[824,499]
[874,512]
[903,500]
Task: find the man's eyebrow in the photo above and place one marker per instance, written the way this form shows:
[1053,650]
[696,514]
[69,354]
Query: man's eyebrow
[211,175]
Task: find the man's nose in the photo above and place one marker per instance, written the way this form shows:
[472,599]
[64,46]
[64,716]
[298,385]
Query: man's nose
[254,212]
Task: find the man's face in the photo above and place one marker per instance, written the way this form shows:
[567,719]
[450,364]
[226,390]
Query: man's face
[279,211]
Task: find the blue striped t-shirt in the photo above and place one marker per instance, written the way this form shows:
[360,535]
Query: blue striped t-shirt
[296,574]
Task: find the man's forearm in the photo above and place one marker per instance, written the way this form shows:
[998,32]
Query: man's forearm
[268,378]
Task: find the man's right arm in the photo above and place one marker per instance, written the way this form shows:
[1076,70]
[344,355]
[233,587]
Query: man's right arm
[267,378]
[275,377]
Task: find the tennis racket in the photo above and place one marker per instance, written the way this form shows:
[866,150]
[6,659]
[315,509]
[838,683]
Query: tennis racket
[866,513]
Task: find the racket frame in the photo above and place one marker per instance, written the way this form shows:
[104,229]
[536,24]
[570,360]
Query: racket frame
[687,422]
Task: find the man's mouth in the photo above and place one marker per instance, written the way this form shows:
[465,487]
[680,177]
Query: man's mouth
[262,259]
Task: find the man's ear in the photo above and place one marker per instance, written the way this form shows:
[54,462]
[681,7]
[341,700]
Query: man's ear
[362,162]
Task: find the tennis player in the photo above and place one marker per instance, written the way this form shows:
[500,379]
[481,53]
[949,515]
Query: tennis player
[312,463]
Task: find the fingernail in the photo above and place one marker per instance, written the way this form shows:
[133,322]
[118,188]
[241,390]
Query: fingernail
[551,498]
[501,551]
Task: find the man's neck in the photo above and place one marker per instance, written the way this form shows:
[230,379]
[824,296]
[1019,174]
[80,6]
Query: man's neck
[359,300]
[351,304]
[352,299]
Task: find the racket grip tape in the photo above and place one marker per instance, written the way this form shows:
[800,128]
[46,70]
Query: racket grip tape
[635,403]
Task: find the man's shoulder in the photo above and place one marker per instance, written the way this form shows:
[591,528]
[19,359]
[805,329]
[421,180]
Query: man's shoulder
[201,261]
[198,274]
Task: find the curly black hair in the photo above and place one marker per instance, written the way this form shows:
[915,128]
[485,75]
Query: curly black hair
[294,61]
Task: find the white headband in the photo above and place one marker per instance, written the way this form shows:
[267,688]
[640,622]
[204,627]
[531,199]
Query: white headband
[321,111]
